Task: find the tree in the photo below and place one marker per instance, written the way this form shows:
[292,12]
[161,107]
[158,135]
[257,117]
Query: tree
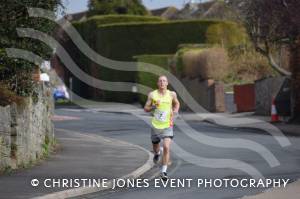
[104,7]
[271,24]
[14,72]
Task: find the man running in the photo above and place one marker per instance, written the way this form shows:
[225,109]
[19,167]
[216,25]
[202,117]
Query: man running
[165,107]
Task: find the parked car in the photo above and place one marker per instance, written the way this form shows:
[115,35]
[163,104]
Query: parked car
[60,93]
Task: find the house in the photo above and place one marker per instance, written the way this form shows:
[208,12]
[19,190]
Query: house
[80,16]
[213,9]
[166,12]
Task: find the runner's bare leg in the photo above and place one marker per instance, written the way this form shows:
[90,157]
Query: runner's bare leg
[156,148]
[166,151]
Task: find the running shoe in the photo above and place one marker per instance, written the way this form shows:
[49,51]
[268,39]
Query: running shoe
[156,158]
[164,176]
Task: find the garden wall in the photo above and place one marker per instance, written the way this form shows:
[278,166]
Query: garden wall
[26,130]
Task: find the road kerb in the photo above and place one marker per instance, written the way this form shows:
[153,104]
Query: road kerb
[88,190]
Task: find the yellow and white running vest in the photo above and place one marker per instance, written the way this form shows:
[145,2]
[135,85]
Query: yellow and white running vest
[163,113]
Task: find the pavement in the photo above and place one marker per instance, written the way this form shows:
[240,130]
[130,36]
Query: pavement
[82,156]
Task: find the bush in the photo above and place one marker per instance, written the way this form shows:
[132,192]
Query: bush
[13,15]
[209,63]
[247,65]
[19,81]
[226,34]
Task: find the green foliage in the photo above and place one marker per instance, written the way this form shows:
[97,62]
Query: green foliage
[202,63]
[247,65]
[149,79]
[122,41]
[88,30]
[48,146]
[226,34]
[158,37]
[6,170]
[14,15]
[178,61]
[104,7]
[101,20]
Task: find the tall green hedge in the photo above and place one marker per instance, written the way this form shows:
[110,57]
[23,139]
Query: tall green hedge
[122,41]
[89,31]
[100,20]
[149,79]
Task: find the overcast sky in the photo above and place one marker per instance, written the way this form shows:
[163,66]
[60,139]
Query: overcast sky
[73,6]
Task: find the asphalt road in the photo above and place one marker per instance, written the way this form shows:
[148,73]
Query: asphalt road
[132,129]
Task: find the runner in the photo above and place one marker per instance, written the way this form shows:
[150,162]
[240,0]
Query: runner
[165,107]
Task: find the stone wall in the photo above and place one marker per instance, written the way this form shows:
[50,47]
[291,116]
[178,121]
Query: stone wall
[25,129]
[5,140]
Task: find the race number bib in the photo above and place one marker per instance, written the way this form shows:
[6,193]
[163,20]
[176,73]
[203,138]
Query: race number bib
[160,115]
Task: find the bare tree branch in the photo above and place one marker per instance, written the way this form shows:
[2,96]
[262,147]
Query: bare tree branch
[284,3]
[277,67]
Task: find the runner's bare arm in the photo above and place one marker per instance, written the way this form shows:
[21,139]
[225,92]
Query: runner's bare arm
[148,105]
[175,102]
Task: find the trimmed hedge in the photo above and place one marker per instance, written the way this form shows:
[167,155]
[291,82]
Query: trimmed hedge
[122,41]
[154,37]
[149,79]
[88,30]
[100,20]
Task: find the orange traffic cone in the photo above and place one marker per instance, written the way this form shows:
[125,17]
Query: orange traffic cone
[274,115]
